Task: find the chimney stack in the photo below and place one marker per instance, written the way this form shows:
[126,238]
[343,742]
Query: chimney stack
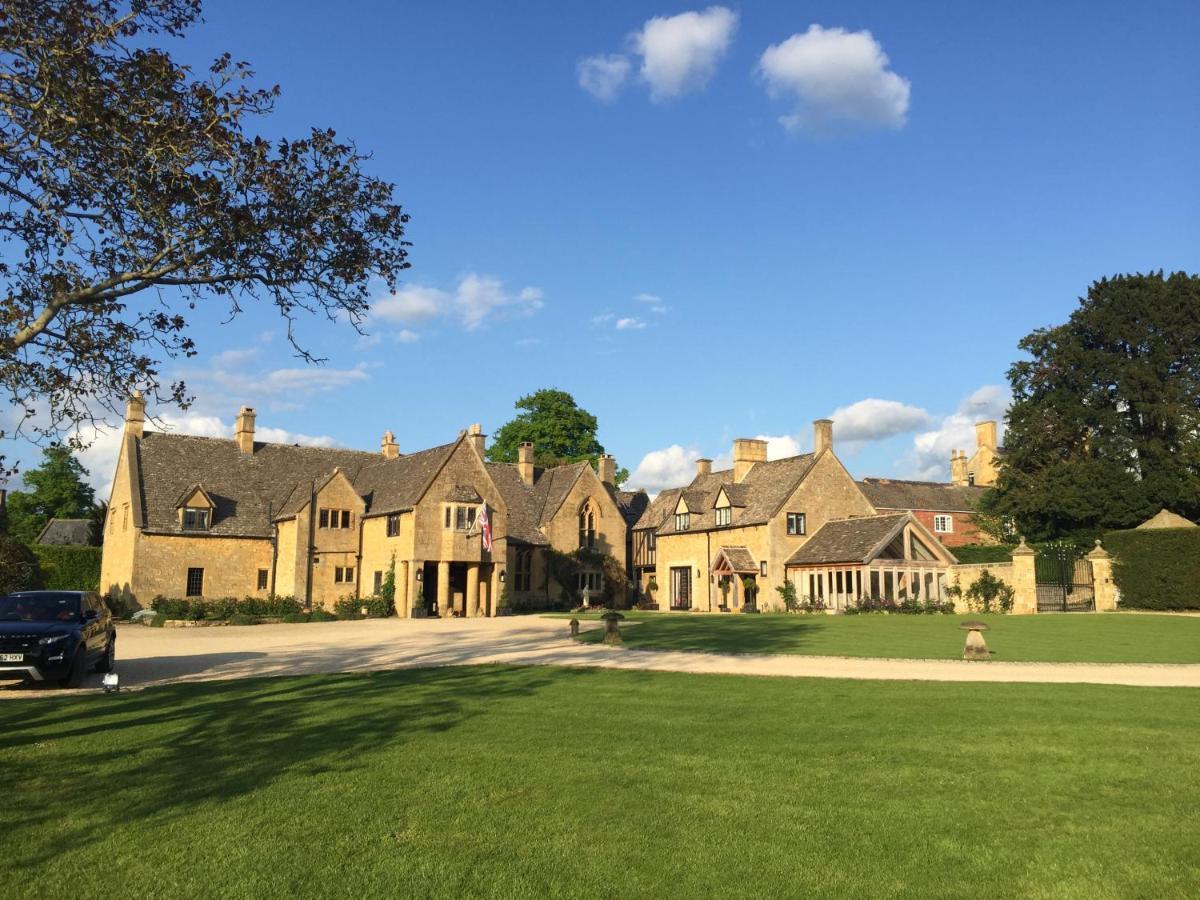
[606,468]
[135,415]
[822,436]
[388,446]
[703,467]
[747,452]
[958,467]
[243,431]
[985,435]
[525,461]
[476,437]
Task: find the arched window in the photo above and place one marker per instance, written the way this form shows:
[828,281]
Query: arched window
[587,525]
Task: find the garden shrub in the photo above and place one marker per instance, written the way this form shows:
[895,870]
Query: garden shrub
[223,609]
[989,594]
[321,615]
[378,607]
[68,567]
[1156,568]
[242,619]
[787,593]
[348,608]
[971,554]
[19,569]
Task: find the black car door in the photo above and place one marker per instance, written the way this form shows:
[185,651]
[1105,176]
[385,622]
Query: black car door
[93,625]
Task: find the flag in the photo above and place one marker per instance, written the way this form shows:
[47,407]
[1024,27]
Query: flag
[485,528]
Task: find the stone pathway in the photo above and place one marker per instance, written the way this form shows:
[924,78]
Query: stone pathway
[149,656]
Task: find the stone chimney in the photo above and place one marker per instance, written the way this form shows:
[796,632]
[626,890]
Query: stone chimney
[822,435]
[985,435]
[243,431]
[135,415]
[703,467]
[747,452]
[388,446]
[606,468]
[958,467]
[476,437]
[525,461]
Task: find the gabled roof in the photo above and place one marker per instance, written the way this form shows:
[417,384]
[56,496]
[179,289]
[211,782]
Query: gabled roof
[1164,518]
[531,507]
[249,489]
[763,492]
[631,503]
[191,491]
[739,560]
[892,493]
[65,531]
[861,540]
[657,511]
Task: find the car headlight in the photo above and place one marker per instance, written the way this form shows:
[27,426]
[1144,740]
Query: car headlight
[52,640]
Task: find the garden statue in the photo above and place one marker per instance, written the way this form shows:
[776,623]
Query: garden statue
[976,647]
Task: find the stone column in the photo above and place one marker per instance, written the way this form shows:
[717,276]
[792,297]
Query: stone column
[404,591]
[1102,580]
[495,587]
[472,599]
[443,589]
[1024,581]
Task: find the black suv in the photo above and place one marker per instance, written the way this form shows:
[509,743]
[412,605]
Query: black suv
[55,636]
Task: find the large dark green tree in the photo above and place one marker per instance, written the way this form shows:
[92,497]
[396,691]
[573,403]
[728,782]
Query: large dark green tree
[1104,429]
[58,488]
[561,432]
[133,189]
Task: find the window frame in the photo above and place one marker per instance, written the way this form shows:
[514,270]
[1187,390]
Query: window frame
[681,575]
[943,519]
[523,571]
[343,574]
[263,579]
[683,521]
[797,524]
[393,525]
[723,515]
[195,575]
[201,515]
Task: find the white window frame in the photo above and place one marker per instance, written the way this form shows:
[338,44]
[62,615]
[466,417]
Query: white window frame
[724,515]
[683,521]
[943,524]
[797,524]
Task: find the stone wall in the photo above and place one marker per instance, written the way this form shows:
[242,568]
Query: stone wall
[963,576]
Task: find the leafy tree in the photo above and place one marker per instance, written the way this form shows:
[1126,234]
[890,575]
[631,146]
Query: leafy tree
[59,489]
[132,189]
[98,516]
[19,569]
[1104,429]
[561,432]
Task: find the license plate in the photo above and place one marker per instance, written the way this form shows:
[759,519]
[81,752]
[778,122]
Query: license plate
[12,657]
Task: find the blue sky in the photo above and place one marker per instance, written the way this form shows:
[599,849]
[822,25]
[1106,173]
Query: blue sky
[848,218]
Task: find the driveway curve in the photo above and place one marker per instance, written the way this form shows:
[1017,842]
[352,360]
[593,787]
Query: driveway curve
[152,656]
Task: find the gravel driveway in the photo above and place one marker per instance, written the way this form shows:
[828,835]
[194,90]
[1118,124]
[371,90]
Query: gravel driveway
[148,656]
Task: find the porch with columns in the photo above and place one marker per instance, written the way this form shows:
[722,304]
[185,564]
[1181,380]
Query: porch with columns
[838,586]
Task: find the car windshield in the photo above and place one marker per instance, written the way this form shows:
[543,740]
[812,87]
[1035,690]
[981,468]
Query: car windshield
[39,608]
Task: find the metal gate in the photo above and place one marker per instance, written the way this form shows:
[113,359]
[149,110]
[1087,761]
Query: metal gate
[1064,580]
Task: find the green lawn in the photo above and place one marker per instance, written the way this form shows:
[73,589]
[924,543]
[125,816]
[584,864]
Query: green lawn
[535,782]
[1069,637]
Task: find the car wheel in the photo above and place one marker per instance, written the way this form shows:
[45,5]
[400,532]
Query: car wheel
[109,659]
[74,676]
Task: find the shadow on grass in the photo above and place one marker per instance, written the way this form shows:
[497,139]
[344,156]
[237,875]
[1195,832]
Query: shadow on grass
[185,745]
[721,634]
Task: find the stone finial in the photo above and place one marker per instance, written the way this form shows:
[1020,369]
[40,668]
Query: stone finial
[1023,549]
[1098,552]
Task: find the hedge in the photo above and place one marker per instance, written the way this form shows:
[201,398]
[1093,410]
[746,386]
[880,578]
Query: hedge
[969,554]
[1156,568]
[67,567]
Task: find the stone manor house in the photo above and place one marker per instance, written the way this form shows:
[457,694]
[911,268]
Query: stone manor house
[208,517]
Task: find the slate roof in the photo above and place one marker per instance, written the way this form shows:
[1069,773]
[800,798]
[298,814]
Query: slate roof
[631,503]
[763,491]
[891,493]
[847,540]
[65,531]
[248,489]
[659,509]
[741,560]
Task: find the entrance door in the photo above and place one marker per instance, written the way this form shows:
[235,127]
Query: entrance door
[430,583]
[681,587]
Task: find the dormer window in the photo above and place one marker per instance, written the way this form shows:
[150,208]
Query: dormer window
[683,521]
[724,515]
[195,518]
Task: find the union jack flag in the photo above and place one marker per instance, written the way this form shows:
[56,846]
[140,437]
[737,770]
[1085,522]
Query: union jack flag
[485,528]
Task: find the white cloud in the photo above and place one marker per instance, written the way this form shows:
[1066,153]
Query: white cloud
[630,323]
[929,458]
[410,304]
[667,468]
[835,77]
[236,357]
[875,420]
[780,446]
[405,336]
[654,301]
[476,299]
[603,76]
[603,318]
[680,53]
